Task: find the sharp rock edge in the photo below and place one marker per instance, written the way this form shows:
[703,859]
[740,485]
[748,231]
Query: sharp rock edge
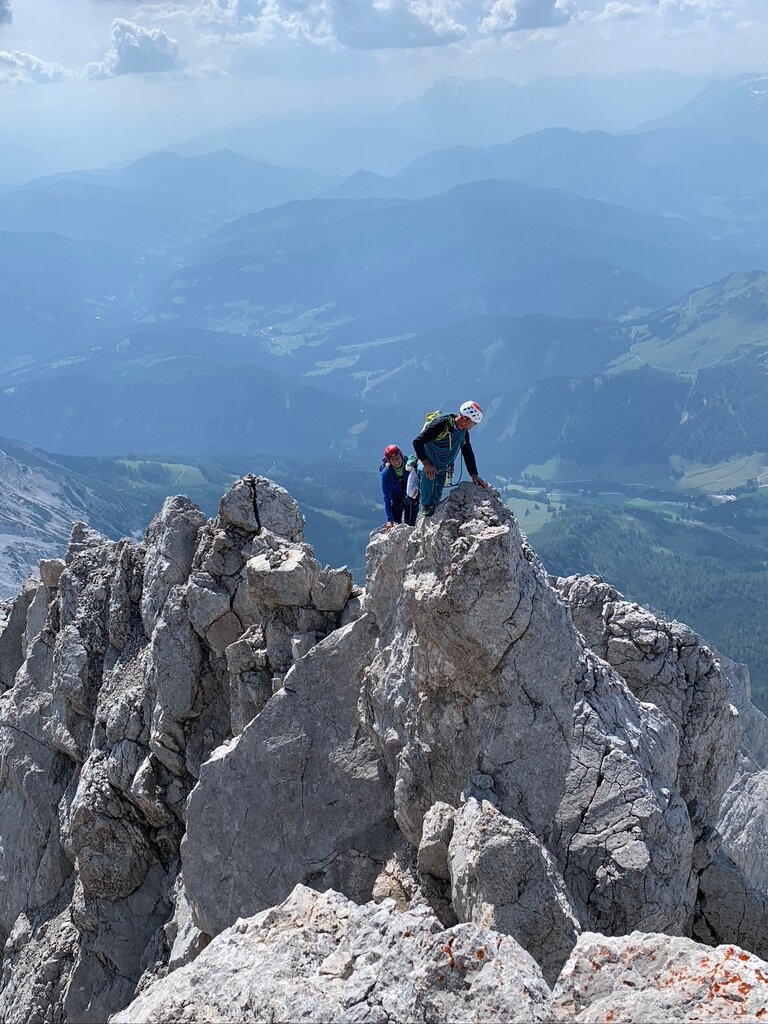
[232,785]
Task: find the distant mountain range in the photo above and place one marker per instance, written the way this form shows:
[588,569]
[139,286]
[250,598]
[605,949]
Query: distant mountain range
[161,200]
[691,392]
[487,247]
[452,111]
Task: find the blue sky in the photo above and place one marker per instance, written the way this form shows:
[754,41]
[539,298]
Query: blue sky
[118,76]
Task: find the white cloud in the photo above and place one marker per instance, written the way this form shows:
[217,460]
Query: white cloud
[376,24]
[6,15]
[17,68]
[618,10]
[387,24]
[521,15]
[134,50]
[673,13]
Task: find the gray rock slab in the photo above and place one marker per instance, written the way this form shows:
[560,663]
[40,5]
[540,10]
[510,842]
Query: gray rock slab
[170,542]
[256,502]
[731,908]
[502,878]
[475,665]
[321,958]
[665,663]
[623,836]
[314,803]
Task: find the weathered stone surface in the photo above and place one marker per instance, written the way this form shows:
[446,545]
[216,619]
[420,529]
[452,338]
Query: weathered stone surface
[666,664]
[322,958]
[502,878]
[436,834]
[731,907]
[458,677]
[332,589]
[12,634]
[277,510]
[37,966]
[324,800]
[647,977]
[283,577]
[36,616]
[170,541]
[475,664]
[623,836]
[50,571]
[183,937]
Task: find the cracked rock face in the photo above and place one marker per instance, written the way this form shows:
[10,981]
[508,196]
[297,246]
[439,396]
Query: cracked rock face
[313,800]
[502,878]
[117,688]
[666,664]
[463,737]
[323,958]
[472,676]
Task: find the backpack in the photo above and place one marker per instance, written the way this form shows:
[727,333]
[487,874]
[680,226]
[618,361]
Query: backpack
[430,418]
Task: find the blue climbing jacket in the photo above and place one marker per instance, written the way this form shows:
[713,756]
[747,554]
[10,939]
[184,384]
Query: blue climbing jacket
[393,487]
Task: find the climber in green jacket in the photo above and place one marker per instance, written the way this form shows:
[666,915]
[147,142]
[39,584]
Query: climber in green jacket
[438,446]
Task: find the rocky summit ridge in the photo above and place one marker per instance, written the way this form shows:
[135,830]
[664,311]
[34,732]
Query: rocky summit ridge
[233,786]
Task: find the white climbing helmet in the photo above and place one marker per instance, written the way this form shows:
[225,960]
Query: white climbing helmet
[472,411]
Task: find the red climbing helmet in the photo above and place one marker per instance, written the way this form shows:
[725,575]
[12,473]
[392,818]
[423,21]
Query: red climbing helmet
[391,451]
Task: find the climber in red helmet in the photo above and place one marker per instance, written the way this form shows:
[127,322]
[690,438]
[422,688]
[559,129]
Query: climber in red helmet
[394,482]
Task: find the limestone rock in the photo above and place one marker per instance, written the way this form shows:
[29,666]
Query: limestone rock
[36,616]
[474,667]
[623,835]
[314,803]
[50,571]
[650,977]
[170,541]
[283,577]
[322,958]
[255,504]
[731,907]
[183,937]
[38,962]
[12,634]
[666,664]
[502,878]
[436,834]
[744,826]
[332,589]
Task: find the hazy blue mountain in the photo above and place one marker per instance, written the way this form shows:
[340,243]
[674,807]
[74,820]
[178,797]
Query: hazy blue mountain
[452,111]
[160,400]
[56,293]
[707,326]
[132,218]
[729,109]
[698,397]
[670,170]
[604,425]
[726,411]
[292,227]
[220,183]
[163,199]
[486,247]
[486,353]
